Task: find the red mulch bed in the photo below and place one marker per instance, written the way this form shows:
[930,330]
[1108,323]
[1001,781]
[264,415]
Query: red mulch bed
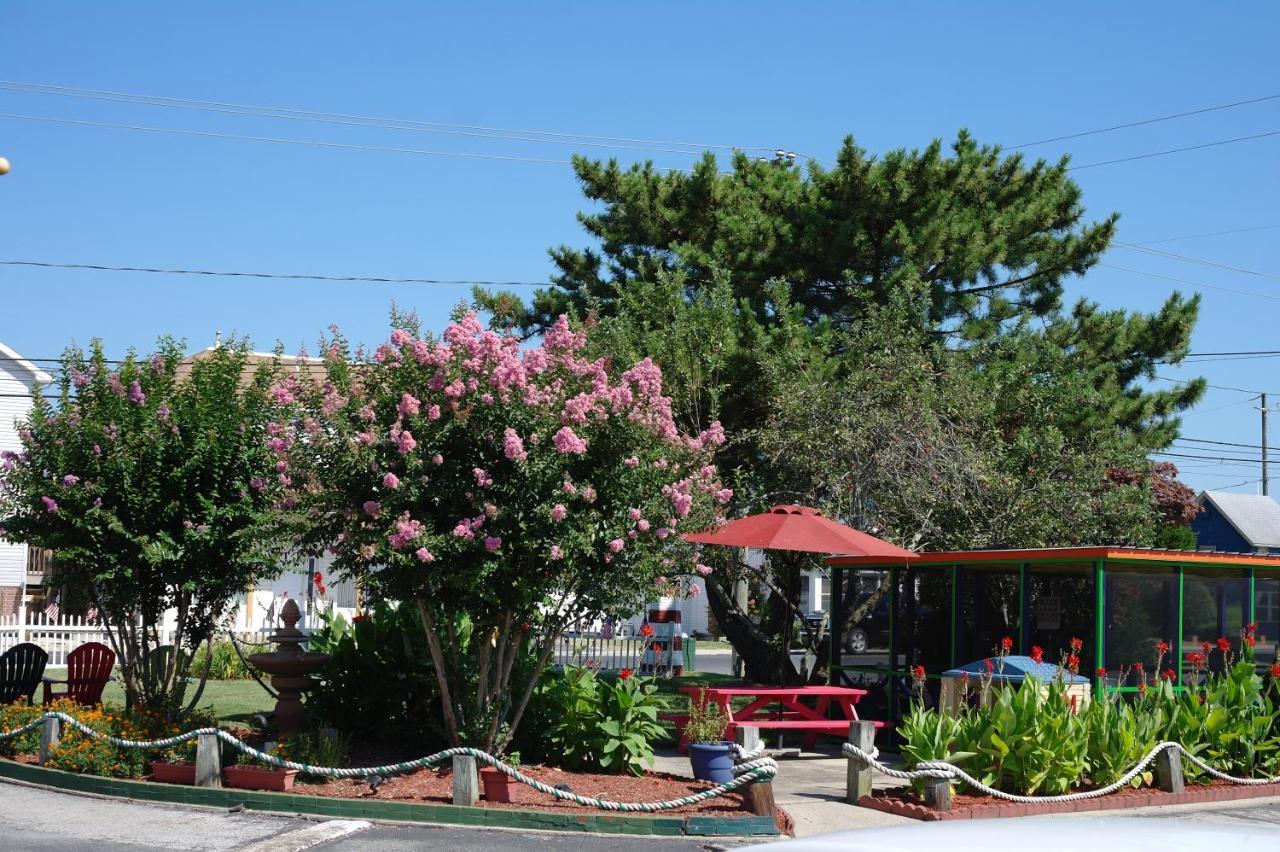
[436,785]
[905,802]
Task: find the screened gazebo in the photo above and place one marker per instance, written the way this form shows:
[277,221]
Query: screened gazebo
[946,609]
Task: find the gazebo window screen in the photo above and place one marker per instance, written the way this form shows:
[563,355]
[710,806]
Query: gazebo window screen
[1141,609]
[1060,606]
[988,608]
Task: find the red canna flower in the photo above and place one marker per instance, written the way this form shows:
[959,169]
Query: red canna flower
[1076,644]
[1162,648]
[1142,687]
[1102,672]
[917,672]
[1137,667]
[1197,659]
[1073,664]
[1037,654]
[656,646]
[1275,669]
[1224,645]
[624,674]
[1206,646]
[646,630]
[1249,639]
[1006,644]
[1169,674]
[990,665]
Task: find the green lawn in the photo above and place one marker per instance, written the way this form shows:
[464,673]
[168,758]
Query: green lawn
[235,701]
[232,701]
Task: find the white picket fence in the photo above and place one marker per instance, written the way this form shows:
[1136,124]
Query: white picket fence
[60,636]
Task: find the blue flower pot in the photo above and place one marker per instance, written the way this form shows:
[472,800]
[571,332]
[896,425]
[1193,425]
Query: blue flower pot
[712,761]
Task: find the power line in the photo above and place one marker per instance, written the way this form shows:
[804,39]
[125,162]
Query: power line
[1220,459]
[1196,260]
[1235,290]
[1225,443]
[209,134]
[471,130]
[1145,121]
[1208,234]
[1151,154]
[273,275]
[1215,387]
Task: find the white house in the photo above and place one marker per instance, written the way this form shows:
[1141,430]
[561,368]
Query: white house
[17,377]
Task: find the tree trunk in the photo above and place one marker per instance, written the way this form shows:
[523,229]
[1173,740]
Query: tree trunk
[762,654]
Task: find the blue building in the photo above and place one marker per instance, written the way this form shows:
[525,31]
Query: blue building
[1237,523]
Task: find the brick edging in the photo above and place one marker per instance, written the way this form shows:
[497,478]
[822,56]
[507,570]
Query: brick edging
[691,825]
[1146,799]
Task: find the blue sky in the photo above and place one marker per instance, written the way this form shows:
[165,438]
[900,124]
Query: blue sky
[797,75]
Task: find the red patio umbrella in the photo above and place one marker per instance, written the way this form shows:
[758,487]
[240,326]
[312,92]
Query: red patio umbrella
[798,528]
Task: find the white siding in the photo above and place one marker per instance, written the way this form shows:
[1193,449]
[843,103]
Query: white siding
[13,407]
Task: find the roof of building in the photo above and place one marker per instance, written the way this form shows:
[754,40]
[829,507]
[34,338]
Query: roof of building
[1112,553]
[15,363]
[1255,516]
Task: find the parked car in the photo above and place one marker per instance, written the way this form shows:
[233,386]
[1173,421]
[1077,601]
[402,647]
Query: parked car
[870,632]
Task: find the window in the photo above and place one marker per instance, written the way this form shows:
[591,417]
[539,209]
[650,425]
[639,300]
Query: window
[1214,604]
[988,609]
[1061,605]
[1141,610]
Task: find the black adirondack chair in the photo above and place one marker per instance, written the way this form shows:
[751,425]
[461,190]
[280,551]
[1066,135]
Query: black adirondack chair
[21,668]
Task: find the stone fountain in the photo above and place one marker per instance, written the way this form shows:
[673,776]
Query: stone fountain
[290,668]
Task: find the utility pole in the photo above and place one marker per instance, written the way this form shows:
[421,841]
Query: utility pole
[1264,442]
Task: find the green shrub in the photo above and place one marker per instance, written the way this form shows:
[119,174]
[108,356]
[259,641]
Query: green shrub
[224,663]
[378,684]
[593,723]
[1030,739]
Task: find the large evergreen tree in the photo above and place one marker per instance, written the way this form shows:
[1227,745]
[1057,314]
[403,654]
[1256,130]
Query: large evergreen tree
[885,338]
[980,237]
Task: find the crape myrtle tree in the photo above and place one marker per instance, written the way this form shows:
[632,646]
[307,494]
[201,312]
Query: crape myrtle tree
[751,287]
[502,492]
[153,485]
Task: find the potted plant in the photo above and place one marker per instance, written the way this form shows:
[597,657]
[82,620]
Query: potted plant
[709,753]
[248,776]
[177,766]
[173,772]
[498,784]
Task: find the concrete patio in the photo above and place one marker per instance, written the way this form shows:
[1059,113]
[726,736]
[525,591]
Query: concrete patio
[811,787]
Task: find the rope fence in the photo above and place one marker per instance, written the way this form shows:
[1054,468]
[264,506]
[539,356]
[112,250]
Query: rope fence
[750,767]
[941,770]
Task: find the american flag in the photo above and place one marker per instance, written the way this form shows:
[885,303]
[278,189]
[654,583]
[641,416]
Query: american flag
[51,609]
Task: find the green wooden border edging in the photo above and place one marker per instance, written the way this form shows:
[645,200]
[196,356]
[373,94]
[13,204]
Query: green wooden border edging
[293,803]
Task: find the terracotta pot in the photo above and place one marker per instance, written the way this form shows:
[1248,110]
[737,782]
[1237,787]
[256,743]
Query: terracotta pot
[497,785]
[259,778]
[173,773]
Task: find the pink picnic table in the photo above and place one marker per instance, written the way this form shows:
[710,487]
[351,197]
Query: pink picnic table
[794,714]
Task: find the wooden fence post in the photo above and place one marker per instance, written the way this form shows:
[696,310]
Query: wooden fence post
[208,761]
[466,783]
[758,794]
[1169,771]
[859,772]
[937,793]
[50,734]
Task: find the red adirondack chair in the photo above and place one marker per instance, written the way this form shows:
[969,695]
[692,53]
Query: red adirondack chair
[88,670]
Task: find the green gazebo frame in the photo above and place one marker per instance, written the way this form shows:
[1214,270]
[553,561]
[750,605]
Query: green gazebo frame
[1101,562]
